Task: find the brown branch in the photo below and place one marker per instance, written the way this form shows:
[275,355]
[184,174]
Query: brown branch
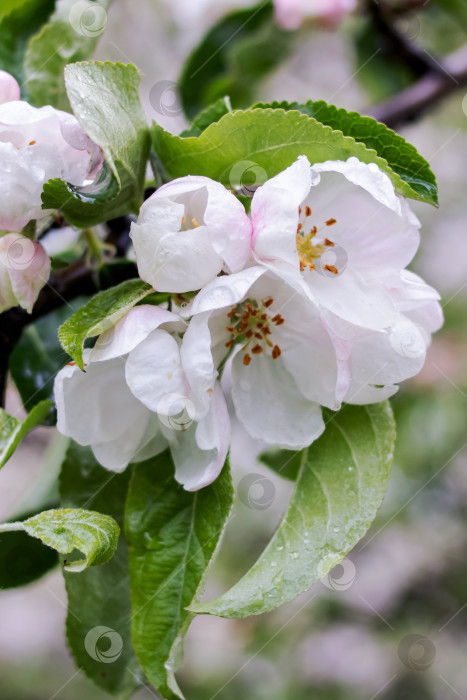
[425,94]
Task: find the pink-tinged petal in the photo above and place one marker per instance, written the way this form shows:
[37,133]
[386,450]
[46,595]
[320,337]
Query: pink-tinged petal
[154,373]
[27,265]
[383,359]
[9,88]
[428,316]
[224,291]
[198,364]
[270,406]
[291,13]
[96,406]
[199,453]
[275,213]
[131,330]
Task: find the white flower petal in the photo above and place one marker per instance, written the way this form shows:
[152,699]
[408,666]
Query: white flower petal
[130,331]
[269,405]
[224,291]
[96,407]
[199,453]
[274,213]
[154,373]
[198,364]
[25,269]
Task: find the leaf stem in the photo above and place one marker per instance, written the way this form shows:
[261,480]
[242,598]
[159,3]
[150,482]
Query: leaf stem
[11,527]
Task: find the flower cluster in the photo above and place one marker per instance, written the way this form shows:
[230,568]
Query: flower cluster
[36,144]
[303,303]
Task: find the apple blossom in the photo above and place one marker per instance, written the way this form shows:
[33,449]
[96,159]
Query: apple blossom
[291,13]
[37,144]
[284,363]
[187,232]
[144,390]
[337,232]
[24,270]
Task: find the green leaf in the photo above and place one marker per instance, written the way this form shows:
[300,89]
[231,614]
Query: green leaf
[100,596]
[23,559]
[105,100]
[70,35]
[271,139]
[38,356]
[66,529]
[173,535]
[18,22]
[339,488]
[236,53]
[12,430]
[208,116]
[100,314]
[401,156]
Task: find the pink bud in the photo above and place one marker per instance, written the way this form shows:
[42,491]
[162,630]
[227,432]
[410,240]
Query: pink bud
[291,13]
[9,88]
[24,270]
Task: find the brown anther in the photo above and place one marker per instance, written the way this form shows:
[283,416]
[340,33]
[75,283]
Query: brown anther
[71,364]
[232,313]
[307,211]
[331,222]
[229,343]
[268,302]
[302,266]
[299,210]
[280,322]
[259,336]
[328,243]
[266,331]
[31,143]
[314,230]
[231,329]
[275,318]
[264,317]
[311,267]
[246,359]
[257,350]
[249,333]
[332,269]
[299,228]
[276,352]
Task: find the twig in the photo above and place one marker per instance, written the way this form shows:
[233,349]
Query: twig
[425,94]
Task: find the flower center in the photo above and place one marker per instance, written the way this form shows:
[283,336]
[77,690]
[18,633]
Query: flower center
[308,249]
[250,325]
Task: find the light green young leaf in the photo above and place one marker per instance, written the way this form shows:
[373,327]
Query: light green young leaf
[401,156]
[66,529]
[104,98]
[70,35]
[173,535]
[208,116]
[12,430]
[339,488]
[99,599]
[99,315]
[271,139]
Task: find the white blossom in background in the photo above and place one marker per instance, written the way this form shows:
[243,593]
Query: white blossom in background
[189,231]
[145,389]
[284,365]
[340,236]
[24,270]
[37,144]
[290,14]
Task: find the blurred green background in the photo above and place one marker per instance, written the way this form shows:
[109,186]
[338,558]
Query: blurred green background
[391,622]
